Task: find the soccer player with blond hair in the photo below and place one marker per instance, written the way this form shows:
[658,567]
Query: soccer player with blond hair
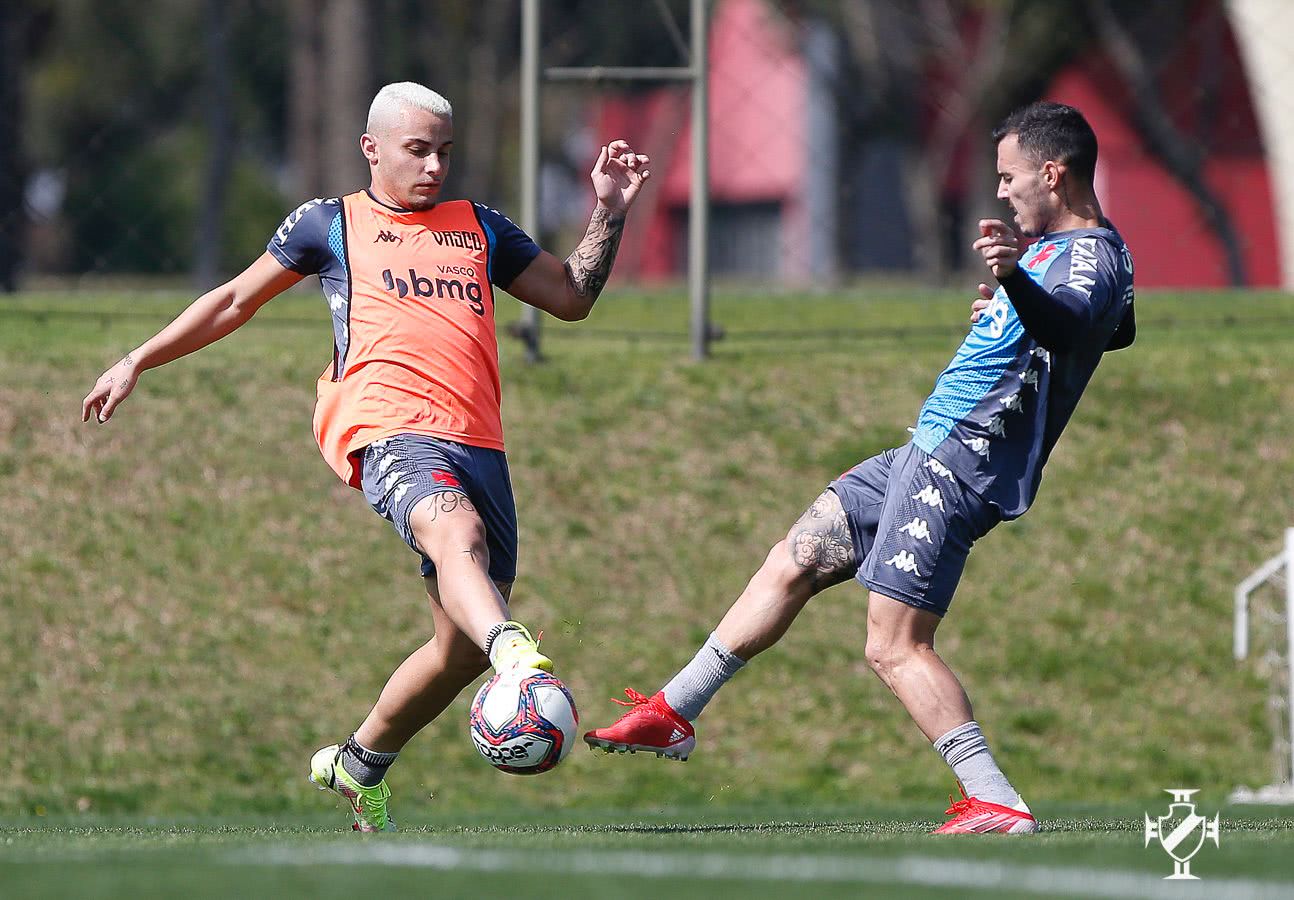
[408,409]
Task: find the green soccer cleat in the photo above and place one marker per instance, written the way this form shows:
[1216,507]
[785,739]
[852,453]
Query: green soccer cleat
[515,647]
[367,803]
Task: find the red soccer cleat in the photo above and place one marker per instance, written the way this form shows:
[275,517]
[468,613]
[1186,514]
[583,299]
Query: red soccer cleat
[974,816]
[650,724]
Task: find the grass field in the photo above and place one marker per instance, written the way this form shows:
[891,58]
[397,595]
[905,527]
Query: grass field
[183,589]
[759,851]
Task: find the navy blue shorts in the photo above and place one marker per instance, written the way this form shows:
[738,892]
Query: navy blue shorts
[398,472]
[913,523]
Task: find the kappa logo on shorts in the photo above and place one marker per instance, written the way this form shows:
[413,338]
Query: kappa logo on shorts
[919,529]
[995,427]
[399,493]
[938,468]
[979,445]
[904,562]
[1029,377]
[930,496]
[1012,402]
[445,478]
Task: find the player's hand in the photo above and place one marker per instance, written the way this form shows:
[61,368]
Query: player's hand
[1000,246]
[980,303]
[619,175]
[112,387]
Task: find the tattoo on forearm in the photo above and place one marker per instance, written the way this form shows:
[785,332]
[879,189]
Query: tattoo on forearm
[589,267]
[128,361]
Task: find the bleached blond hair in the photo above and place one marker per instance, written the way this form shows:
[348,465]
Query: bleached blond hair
[386,110]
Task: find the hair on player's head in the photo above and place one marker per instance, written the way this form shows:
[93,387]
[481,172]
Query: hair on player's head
[1053,131]
[387,108]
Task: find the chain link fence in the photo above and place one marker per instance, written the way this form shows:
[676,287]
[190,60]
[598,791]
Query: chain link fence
[847,138]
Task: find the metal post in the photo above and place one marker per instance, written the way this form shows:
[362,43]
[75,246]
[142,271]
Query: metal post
[1289,634]
[699,210]
[530,19]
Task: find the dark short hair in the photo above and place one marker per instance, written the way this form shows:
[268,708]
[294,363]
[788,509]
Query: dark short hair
[1053,131]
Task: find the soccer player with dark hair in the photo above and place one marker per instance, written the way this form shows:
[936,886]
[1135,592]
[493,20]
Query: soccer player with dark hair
[408,409]
[903,522]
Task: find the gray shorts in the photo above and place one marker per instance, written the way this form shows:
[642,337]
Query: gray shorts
[913,523]
[398,472]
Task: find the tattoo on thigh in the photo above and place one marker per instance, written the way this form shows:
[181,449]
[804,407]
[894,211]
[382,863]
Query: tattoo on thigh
[821,541]
[448,502]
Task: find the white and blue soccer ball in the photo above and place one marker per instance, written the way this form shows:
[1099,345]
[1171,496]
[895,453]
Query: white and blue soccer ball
[524,721]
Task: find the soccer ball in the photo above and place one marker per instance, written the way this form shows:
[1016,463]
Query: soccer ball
[523,721]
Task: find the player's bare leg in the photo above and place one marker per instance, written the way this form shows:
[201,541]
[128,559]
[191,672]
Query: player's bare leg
[426,682]
[450,533]
[901,650]
[816,554]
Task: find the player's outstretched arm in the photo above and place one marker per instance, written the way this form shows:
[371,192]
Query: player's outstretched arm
[569,289]
[206,320]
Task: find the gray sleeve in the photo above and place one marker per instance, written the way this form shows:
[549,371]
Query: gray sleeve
[301,242]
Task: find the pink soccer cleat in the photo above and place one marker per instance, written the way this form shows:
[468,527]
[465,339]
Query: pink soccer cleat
[974,816]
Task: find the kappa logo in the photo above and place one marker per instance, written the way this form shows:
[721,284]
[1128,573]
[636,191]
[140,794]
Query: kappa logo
[930,496]
[1044,354]
[387,237]
[938,468]
[1029,378]
[1012,402]
[919,529]
[979,445]
[904,562]
[995,427]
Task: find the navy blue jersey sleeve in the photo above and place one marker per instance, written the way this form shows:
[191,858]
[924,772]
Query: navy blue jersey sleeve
[511,249]
[1079,289]
[301,242]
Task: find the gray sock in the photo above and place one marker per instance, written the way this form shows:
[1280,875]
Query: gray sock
[366,766]
[691,689]
[966,751]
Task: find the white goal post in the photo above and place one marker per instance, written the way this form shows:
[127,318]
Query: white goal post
[1278,666]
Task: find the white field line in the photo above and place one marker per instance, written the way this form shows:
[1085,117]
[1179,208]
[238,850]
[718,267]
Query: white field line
[930,871]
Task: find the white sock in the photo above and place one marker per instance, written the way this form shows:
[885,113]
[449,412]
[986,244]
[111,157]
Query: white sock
[693,687]
[966,751]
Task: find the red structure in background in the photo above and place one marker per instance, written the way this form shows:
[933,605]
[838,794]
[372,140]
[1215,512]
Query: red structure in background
[757,85]
[1171,242]
[758,155]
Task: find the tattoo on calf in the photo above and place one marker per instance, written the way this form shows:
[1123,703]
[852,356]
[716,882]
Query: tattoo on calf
[589,267]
